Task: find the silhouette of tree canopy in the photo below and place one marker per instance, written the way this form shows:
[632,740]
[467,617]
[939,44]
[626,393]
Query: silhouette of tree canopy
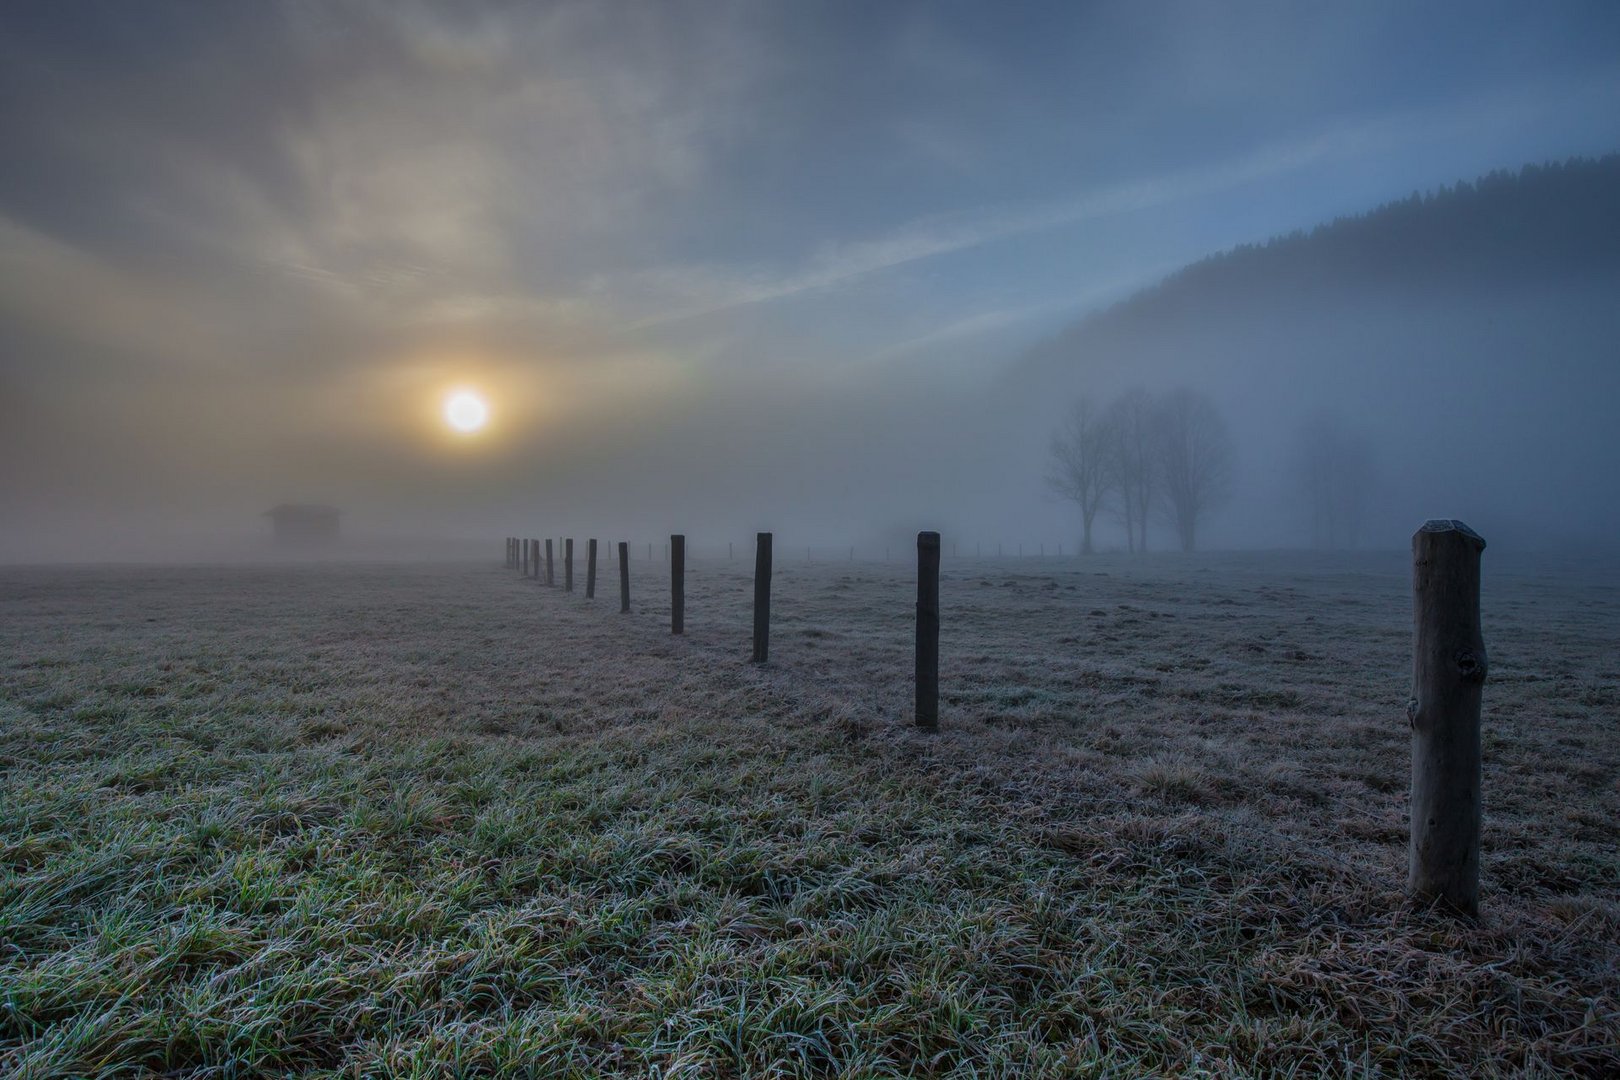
[1542,224]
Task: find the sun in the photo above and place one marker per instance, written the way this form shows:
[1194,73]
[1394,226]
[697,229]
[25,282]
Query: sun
[465,411]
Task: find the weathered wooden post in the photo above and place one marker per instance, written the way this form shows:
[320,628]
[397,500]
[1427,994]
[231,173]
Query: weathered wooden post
[568,565]
[1448,672]
[536,545]
[624,577]
[524,545]
[762,597]
[551,578]
[590,569]
[928,631]
[677,583]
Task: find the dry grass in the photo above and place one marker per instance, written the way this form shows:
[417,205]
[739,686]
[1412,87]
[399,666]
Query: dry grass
[434,820]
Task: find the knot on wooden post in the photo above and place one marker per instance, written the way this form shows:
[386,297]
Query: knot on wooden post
[1471,666]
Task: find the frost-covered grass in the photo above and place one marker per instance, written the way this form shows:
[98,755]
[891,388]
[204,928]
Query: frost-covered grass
[435,820]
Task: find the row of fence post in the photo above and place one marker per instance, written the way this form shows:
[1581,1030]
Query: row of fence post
[850,552]
[1448,673]
[524,555]
[521,554]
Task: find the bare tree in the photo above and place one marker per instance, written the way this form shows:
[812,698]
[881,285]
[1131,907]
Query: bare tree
[1079,466]
[1132,470]
[1193,452]
[1336,474]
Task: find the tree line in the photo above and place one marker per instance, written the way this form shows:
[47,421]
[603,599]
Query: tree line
[1140,457]
[1544,222]
[1168,457]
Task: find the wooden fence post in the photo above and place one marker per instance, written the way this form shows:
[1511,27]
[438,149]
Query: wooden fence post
[1448,672]
[762,597]
[568,565]
[550,577]
[677,583]
[928,631]
[590,569]
[624,577]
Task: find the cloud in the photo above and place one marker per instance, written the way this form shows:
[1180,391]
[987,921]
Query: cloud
[693,291]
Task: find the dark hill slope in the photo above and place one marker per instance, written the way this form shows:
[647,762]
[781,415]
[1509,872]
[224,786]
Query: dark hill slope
[1473,333]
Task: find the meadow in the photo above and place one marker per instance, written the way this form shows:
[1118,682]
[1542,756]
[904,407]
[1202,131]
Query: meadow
[414,819]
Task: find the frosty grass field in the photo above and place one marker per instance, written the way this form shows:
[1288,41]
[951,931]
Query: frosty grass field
[392,820]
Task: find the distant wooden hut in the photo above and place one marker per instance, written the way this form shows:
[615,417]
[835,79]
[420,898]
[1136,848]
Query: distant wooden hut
[303,524]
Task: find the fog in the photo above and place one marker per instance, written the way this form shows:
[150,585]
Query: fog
[832,271]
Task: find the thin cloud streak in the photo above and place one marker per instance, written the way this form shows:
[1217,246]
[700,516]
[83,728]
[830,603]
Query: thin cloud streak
[717,291]
[929,238]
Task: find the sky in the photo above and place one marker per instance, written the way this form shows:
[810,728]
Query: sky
[697,256]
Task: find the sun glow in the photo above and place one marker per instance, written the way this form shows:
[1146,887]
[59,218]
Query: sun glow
[465,411]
